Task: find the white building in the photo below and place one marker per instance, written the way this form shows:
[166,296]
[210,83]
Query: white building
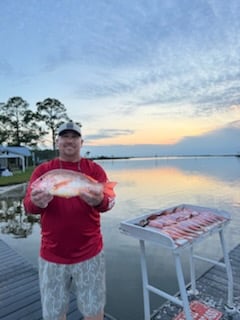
[20,154]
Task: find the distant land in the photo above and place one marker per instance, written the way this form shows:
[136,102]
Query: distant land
[164,157]
[221,142]
[132,151]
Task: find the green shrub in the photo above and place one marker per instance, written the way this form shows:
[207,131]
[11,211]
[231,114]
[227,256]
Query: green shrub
[18,177]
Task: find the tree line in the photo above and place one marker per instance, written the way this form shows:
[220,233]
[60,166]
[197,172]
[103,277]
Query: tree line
[20,126]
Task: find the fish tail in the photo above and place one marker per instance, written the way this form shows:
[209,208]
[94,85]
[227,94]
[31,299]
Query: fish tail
[108,188]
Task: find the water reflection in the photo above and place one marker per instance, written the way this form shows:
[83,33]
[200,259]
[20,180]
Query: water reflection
[13,219]
[146,185]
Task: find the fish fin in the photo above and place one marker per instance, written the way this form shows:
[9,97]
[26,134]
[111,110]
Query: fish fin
[108,188]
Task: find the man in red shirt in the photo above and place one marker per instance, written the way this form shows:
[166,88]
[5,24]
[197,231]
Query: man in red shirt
[71,253]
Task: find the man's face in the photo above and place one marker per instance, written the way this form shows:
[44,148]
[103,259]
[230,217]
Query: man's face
[69,144]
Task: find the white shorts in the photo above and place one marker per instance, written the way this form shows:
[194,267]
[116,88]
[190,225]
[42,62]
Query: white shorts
[86,278]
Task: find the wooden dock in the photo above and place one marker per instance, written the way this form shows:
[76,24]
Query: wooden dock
[212,287]
[19,289]
[20,296]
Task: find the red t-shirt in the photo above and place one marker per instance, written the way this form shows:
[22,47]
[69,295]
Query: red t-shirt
[71,230]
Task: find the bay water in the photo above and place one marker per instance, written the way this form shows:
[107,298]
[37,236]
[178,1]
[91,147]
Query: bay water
[145,185]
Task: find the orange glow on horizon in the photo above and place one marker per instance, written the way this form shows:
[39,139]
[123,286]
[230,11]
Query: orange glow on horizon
[166,134]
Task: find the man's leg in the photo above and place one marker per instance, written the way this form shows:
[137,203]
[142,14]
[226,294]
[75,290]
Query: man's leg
[89,283]
[100,316]
[54,280]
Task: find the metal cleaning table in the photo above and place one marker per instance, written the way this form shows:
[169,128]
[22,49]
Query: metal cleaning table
[169,228]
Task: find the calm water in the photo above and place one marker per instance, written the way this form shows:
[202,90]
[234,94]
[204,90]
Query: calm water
[146,185]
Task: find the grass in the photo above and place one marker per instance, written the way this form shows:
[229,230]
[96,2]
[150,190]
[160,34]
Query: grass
[18,177]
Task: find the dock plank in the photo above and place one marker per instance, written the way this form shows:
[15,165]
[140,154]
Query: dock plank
[19,289]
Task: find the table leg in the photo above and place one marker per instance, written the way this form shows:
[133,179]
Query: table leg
[228,269]
[182,287]
[146,300]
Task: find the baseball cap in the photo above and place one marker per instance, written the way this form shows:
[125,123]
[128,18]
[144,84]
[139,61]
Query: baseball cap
[69,126]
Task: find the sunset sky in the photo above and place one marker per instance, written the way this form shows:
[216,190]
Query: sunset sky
[155,72]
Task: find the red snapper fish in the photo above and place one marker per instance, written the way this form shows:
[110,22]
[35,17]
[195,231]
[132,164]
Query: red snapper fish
[68,183]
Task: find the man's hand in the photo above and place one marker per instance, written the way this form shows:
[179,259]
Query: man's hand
[41,198]
[92,197]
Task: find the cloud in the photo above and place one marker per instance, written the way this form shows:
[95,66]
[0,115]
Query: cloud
[178,57]
[224,140]
[60,56]
[5,68]
[235,124]
[109,133]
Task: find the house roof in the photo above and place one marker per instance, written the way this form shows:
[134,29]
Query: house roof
[21,151]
